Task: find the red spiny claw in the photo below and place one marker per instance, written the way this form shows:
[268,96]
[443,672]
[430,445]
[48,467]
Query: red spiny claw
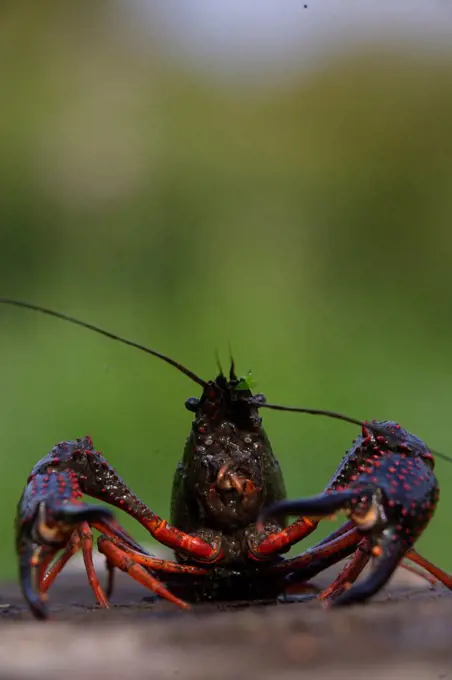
[92,474]
[386,560]
[390,500]
[403,501]
[97,478]
[51,517]
[49,512]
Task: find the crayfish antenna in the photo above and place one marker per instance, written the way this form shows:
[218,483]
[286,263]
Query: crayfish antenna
[311,411]
[337,416]
[107,334]
[443,456]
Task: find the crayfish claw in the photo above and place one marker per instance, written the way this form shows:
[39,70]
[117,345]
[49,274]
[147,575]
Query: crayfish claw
[387,557]
[316,507]
[55,520]
[44,526]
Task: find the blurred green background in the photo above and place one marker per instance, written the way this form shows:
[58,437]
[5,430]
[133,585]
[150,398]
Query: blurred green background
[308,225]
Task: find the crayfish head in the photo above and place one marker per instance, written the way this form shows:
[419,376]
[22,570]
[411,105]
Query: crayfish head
[226,453]
[228,399]
[230,488]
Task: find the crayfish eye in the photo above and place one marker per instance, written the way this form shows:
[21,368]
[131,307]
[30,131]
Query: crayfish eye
[192,404]
[260,398]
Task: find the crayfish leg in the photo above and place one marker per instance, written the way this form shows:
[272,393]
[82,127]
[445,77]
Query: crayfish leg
[349,573]
[442,576]
[277,541]
[114,529]
[422,574]
[320,557]
[82,538]
[121,558]
[86,537]
[338,532]
[157,564]
[71,549]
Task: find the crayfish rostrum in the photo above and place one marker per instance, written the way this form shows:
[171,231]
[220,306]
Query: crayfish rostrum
[228,507]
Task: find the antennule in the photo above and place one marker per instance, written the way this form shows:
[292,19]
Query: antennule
[232,373]
[107,334]
[217,359]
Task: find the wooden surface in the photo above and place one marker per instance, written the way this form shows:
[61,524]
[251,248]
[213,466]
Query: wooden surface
[406,632]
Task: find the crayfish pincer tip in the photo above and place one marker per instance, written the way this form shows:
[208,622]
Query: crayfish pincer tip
[27,577]
[35,603]
[278,509]
[274,510]
[322,505]
[39,610]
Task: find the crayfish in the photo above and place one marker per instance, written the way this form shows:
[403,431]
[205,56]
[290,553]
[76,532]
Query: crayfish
[228,507]
[385,484]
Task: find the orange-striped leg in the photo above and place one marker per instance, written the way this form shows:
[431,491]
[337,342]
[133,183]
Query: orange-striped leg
[350,524]
[442,576]
[80,538]
[70,550]
[46,559]
[349,573]
[120,558]
[339,532]
[157,564]
[86,537]
[321,556]
[354,573]
[113,529]
[276,542]
[422,574]
[110,527]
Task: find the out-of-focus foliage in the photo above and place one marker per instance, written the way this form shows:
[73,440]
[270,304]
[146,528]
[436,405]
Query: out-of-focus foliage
[308,226]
